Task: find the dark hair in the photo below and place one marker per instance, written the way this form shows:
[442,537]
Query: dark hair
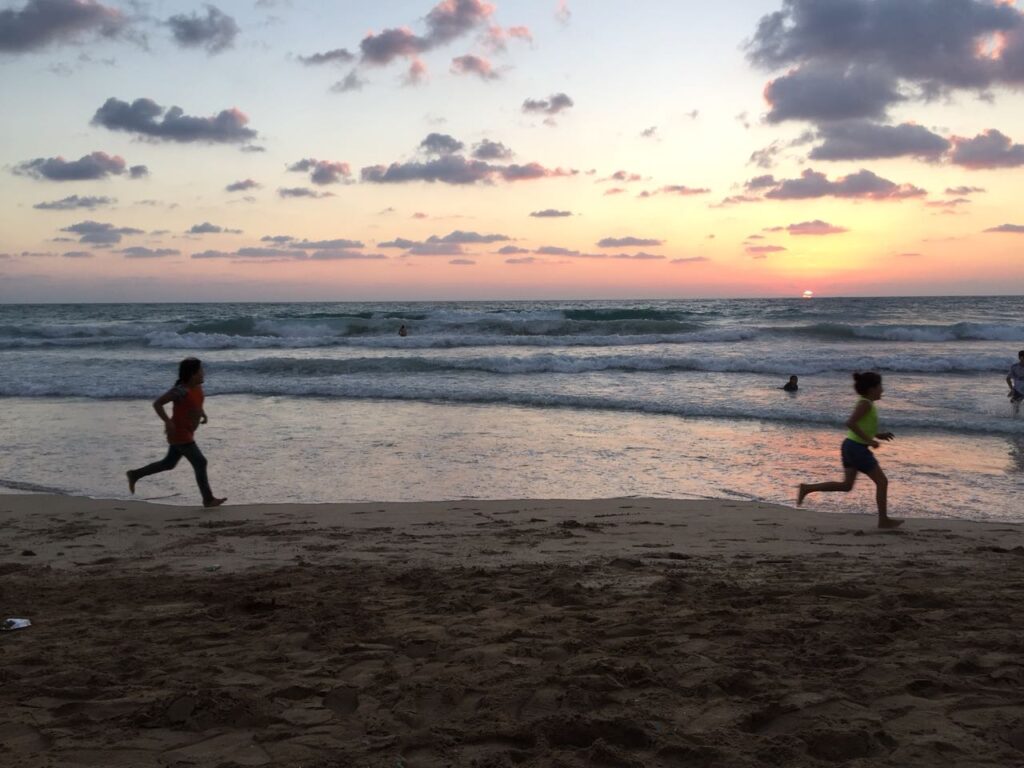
[866,381]
[187,369]
[1021,353]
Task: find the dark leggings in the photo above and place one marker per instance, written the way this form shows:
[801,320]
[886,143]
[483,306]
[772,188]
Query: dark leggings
[174,453]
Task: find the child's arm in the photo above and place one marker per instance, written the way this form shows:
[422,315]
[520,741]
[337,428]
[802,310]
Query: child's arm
[158,405]
[202,416]
[858,413]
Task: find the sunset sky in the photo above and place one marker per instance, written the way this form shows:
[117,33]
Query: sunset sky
[293,150]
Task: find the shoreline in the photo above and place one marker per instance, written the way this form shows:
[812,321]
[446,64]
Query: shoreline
[618,632]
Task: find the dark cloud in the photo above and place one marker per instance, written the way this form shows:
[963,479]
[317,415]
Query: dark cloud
[441,144]
[458,236]
[301,192]
[100,233]
[523,260]
[1017,229]
[762,182]
[268,255]
[215,31]
[862,140]
[955,202]
[447,21]
[550,213]
[491,150]
[649,133]
[456,169]
[138,171]
[435,249]
[241,186]
[928,46]
[140,252]
[77,254]
[323,172]
[990,149]
[339,243]
[206,228]
[622,176]
[351,82]
[508,250]
[473,65]
[690,260]
[627,242]
[822,94]
[336,56]
[253,148]
[40,23]
[641,256]
[462,262]
[74,202]
[861,185]
[97,165]
[398,242]
[963,190]
[765,157]
[675,189]
[558,102]
[816,227]
[554,250]
[141,117]
[277,239]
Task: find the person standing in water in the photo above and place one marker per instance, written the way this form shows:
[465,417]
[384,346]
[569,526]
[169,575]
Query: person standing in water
[1015,381]
[402,331]
[792,385]
[186,397]
[863,435]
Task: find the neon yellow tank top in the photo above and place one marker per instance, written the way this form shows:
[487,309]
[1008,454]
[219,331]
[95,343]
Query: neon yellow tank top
[868,424]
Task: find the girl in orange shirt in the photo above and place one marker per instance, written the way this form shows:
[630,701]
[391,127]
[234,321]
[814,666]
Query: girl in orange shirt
[186,397]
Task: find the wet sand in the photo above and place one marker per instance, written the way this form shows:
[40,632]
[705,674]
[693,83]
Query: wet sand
[615,632]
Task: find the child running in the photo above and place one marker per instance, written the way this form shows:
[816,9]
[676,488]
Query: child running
[857,456]
[186,415]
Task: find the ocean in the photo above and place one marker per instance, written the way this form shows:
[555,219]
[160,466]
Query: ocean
[326,402]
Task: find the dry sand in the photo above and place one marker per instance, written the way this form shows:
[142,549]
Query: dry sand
[618,632]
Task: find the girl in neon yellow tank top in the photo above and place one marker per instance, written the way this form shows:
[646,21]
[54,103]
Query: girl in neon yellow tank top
[861,437]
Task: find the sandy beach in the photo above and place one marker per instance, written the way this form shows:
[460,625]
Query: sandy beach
[616,632]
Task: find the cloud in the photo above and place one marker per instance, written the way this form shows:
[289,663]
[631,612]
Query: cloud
[301,192]
[100,233]
[765,157]
[141,117]
[77,254]
[398,242]
[491,150]
[270,255]
[956,201]
[762,250]
[862,140]
[649,133]
[523,260]
[140,252]
[416,74]
[40,23]
[551,106]
[473,65]
[446,21]
[206,228]
[508,250]
[441,144]
[325,245]
[97,165]
[614,191]
[497,36]
[627,242]
[74,202]
[641,256]
[351,82]
[456,169]
[675,189]
[462,262]
[435,249]
[863,185]
[554,250]
[550,213]
[825,94]
[458,236]
[622,176]
[241,186]
[215,32]
[816,227]
[690,260]
[138,171]
[990,149]
[1017,229]
[916,48]
[963,190]
[336,56]
[323,172]
[562,12]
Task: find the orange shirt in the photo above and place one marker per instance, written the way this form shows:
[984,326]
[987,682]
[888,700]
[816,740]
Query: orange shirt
[186,410]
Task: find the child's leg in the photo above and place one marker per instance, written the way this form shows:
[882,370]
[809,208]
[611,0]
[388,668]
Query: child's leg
[882,498]
[845,485]
[170,461]
[198,461]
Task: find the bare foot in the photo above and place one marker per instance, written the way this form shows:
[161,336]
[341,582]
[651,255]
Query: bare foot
[218,502]
[801,494]
[131,481]
[889,522]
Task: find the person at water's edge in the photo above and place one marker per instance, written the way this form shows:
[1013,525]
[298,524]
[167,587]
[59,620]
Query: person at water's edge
[1015,381]
[863,435]
[187,413]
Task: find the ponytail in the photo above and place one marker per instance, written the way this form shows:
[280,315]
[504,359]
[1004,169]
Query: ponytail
[866,381]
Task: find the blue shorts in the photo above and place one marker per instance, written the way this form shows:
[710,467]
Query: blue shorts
[858,456]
